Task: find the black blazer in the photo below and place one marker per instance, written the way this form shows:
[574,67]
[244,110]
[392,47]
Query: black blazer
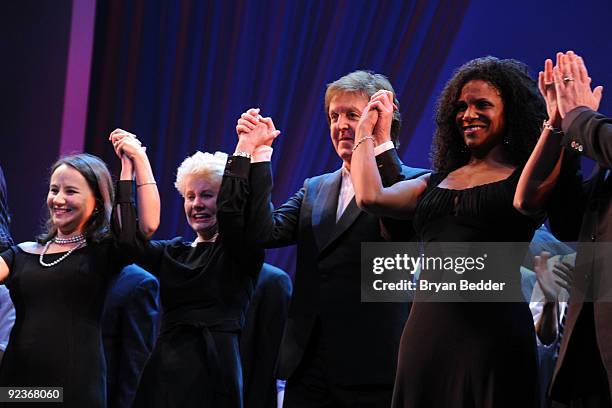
[130,323]
[261,336]
[584,211]
[361,339]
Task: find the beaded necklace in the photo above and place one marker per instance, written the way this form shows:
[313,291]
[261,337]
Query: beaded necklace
[80,239]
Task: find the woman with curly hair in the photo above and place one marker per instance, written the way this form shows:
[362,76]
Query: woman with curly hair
[467,354]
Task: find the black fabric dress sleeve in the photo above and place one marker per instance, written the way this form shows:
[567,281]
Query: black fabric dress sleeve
[235,213]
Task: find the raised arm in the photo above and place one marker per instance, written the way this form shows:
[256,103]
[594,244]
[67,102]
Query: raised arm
[542,170]
[237,211]
[135,163]
[398,200]
[269,227]
[564,87]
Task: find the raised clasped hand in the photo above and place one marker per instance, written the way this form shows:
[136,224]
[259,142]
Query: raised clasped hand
[377,116]
[125,144]
[255,129]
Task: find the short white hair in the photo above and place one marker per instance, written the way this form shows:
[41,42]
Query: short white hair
[205,165]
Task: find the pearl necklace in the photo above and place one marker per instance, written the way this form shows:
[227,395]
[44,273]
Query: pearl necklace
[61,258]
[70,240]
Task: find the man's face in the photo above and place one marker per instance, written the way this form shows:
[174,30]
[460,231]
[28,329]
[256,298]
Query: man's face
[344,112]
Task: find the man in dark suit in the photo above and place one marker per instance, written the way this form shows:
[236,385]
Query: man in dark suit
[336,351]
[583,375]
[129,329]
[261,336]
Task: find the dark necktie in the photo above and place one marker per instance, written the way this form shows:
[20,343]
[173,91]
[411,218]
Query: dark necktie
[561,328]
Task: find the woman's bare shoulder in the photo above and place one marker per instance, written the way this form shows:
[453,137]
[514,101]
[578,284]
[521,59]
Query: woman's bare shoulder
[30,247]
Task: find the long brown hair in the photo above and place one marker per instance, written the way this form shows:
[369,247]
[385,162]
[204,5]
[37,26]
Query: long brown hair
[99,180]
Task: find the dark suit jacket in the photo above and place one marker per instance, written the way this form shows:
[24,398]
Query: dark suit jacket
[261,336]
[360,340]
[584,211]
[8,318]
[129,328]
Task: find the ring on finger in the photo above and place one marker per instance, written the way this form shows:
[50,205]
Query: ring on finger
[567,79]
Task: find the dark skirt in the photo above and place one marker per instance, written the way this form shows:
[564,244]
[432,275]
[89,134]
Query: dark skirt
[463,355]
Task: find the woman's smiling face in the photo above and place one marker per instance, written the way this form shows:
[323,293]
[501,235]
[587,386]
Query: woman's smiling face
[70,200]
[480,115]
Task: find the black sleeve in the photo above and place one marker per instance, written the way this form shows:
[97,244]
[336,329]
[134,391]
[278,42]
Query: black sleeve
[278,227]
[590,133]
[390,167]
[234,207]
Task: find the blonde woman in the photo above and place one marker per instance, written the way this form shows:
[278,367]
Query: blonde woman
[206,284]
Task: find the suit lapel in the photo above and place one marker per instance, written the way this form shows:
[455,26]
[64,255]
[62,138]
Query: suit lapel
[325,207]
[346,220]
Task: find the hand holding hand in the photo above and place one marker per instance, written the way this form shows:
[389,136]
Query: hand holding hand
[377,117]
[262,135]
[126,144]
[248,121]
[573,85]
[272,133]
[254,130]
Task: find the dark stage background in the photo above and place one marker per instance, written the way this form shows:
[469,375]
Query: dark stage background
[179,73]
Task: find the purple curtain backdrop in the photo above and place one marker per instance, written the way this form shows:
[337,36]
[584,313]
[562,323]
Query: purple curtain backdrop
[34,48]
[179,74]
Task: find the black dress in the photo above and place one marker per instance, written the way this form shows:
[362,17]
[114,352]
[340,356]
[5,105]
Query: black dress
[205,291]
[458,355]
[56,340]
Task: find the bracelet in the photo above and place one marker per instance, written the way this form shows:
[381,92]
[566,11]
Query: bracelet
[546,125]
[144,184]
[363,139]
[243,154]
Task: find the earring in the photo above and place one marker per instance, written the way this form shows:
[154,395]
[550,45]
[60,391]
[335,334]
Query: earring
[506,139]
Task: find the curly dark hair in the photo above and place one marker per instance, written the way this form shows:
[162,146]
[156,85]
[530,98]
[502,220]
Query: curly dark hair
[524,112]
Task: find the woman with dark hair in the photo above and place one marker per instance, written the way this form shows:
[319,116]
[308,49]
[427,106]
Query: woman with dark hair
[58,284]
[488,120]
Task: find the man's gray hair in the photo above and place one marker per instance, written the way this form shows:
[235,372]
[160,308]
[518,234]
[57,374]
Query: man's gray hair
[366,83]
